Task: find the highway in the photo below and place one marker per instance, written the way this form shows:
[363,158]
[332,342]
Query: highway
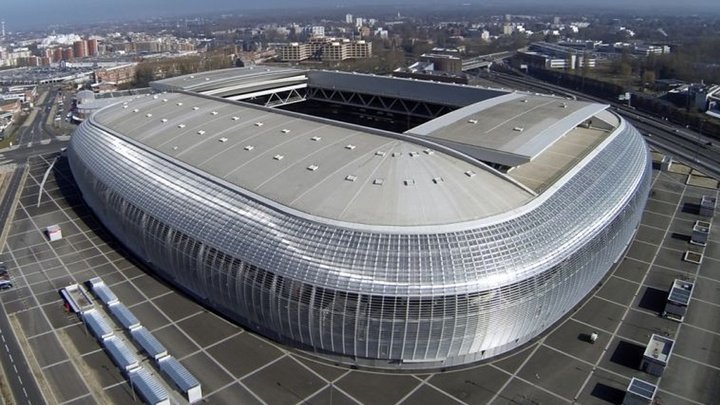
[701,152]
[35,136]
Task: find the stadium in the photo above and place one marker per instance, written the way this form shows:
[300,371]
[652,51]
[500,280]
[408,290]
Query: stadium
[371,220]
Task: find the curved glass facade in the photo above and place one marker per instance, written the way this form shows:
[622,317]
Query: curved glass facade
[395,297]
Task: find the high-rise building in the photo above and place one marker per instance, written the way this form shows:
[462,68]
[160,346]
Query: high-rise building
[318,31]
[68,54]
[80,49]
[92,47]
[349,18]
[57,54]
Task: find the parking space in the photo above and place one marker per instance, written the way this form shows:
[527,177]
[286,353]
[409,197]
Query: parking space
[238,366]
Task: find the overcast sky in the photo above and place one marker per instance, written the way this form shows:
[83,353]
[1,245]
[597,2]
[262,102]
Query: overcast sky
[24,14]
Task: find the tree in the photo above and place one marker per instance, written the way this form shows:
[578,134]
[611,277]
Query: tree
[648,78]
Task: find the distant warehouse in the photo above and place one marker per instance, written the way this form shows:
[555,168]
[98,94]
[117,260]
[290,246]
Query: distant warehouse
[374,220]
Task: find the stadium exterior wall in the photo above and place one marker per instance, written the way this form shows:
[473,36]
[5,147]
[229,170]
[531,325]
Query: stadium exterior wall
[405,298]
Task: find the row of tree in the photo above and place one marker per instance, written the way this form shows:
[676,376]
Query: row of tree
[157,69]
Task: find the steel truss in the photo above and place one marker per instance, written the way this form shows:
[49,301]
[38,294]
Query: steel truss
[382,103]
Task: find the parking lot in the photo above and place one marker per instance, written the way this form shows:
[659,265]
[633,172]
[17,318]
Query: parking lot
[238,366]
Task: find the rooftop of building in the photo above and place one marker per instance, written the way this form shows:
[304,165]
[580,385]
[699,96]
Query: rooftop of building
[332,171]
[223,78]
[433,174]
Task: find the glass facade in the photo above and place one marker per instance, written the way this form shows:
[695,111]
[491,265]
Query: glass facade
[388,298]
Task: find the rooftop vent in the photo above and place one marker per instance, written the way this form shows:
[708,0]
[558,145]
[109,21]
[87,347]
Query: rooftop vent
[350,146]
[181,125]
[278,157]
[235,118]
[315,138]
[214,113]
[350,177]
[164,100]
[192,76]
[249,147]
[148,115]
[524,100]
[179,104]
[518,129]
[125,106]
[259,124]
[379,153]
[437,180]
[472,121]
[470,173]
[207,79]
[285,131]
[196,108]
[223,140]
[396,154]
[409,182]
[429,152]
[164,120]
[378,182]
[313,167]
[136,110]
[175,148]
[201,132]
[563,105]
[155,97]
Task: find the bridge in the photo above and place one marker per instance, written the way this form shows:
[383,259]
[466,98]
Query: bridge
[483,61]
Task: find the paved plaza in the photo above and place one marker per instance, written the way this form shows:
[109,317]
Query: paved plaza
[236,366]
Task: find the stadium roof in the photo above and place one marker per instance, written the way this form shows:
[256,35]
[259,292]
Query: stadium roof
[219,81]
[509,130]
[433,174]
[323,168]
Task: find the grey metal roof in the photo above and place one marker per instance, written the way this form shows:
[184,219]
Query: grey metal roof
[148,342]
[104,294]
[121,354]
[149,387]
[124,316]
[511,129]
[97,324]
[642,388]
[177,373]
[680,292]
[318,167]
[217,80]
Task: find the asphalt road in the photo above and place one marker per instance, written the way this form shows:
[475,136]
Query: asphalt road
[22,383]
[34,138]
